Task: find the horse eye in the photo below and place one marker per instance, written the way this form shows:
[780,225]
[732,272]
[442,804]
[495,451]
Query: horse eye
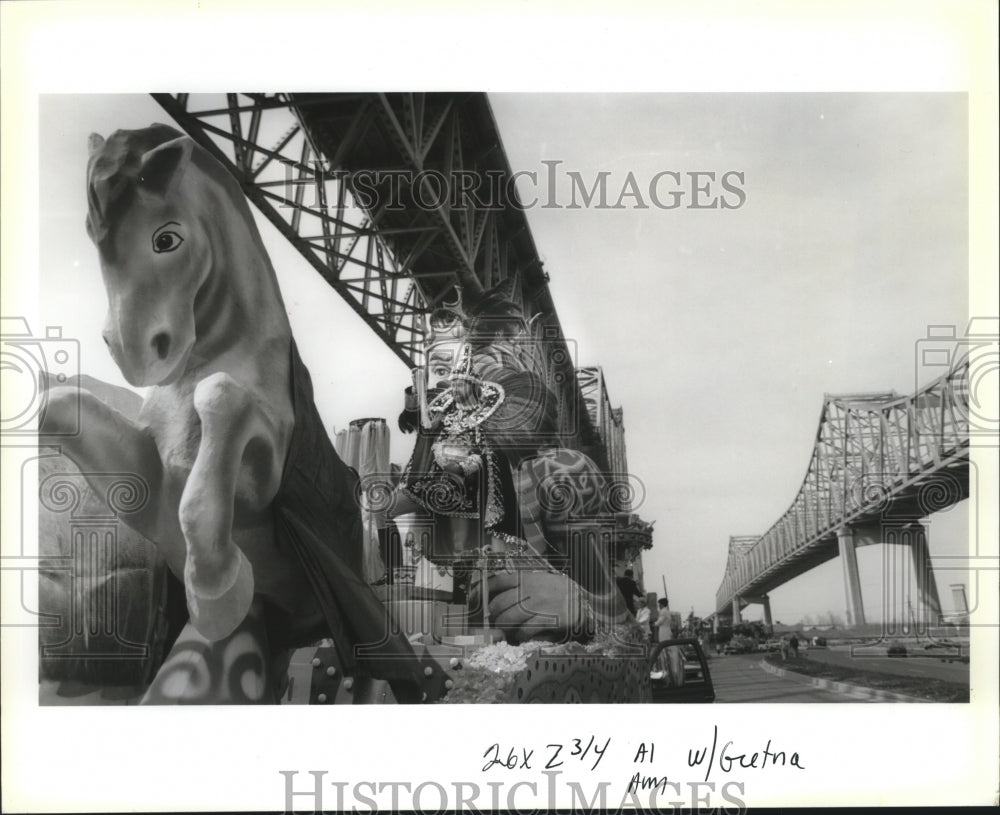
[166,241]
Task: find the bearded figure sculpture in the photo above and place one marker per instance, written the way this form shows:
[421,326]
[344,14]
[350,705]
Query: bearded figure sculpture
[488,476]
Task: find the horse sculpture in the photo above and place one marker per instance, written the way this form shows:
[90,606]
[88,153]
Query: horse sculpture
[249,505]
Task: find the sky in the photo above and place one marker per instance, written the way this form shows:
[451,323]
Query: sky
[719,330]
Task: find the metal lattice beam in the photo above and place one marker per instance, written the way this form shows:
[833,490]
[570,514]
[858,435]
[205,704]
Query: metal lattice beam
[261,140]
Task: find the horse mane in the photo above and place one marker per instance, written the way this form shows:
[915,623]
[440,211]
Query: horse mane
[113,175]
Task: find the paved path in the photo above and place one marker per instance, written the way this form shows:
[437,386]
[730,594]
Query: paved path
[740,678]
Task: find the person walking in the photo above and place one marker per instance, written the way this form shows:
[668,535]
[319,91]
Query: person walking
[642,615]
[793,643]
[671,658]
[661,624]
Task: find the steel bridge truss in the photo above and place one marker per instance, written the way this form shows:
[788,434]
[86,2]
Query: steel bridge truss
[261,140]
[878,457]
[395,199]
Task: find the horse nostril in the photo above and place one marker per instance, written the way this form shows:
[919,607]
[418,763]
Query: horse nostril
[161,342]
[107,342]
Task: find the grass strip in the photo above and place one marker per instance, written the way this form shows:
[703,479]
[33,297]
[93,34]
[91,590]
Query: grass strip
[935,690]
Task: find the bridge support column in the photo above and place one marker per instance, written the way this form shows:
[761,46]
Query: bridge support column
[930,602]
[737,616]
[767,614]
[852,581]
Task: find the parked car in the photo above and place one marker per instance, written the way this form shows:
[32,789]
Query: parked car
[696,685]
[740,645]
[952,651]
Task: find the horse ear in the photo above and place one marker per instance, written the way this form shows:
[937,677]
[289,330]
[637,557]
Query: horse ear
[95,141]
[160,165]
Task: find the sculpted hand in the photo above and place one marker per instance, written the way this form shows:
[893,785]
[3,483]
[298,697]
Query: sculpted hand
[536,605]
[466,393]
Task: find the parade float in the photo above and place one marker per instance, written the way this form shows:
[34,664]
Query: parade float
[211,544]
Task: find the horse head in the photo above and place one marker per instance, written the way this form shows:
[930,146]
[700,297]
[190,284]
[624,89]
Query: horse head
[156,225]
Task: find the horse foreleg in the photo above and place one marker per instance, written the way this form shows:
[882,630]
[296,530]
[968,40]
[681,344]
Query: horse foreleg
[236,436]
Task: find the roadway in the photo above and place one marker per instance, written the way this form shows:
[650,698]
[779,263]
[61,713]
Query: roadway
[739,678]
